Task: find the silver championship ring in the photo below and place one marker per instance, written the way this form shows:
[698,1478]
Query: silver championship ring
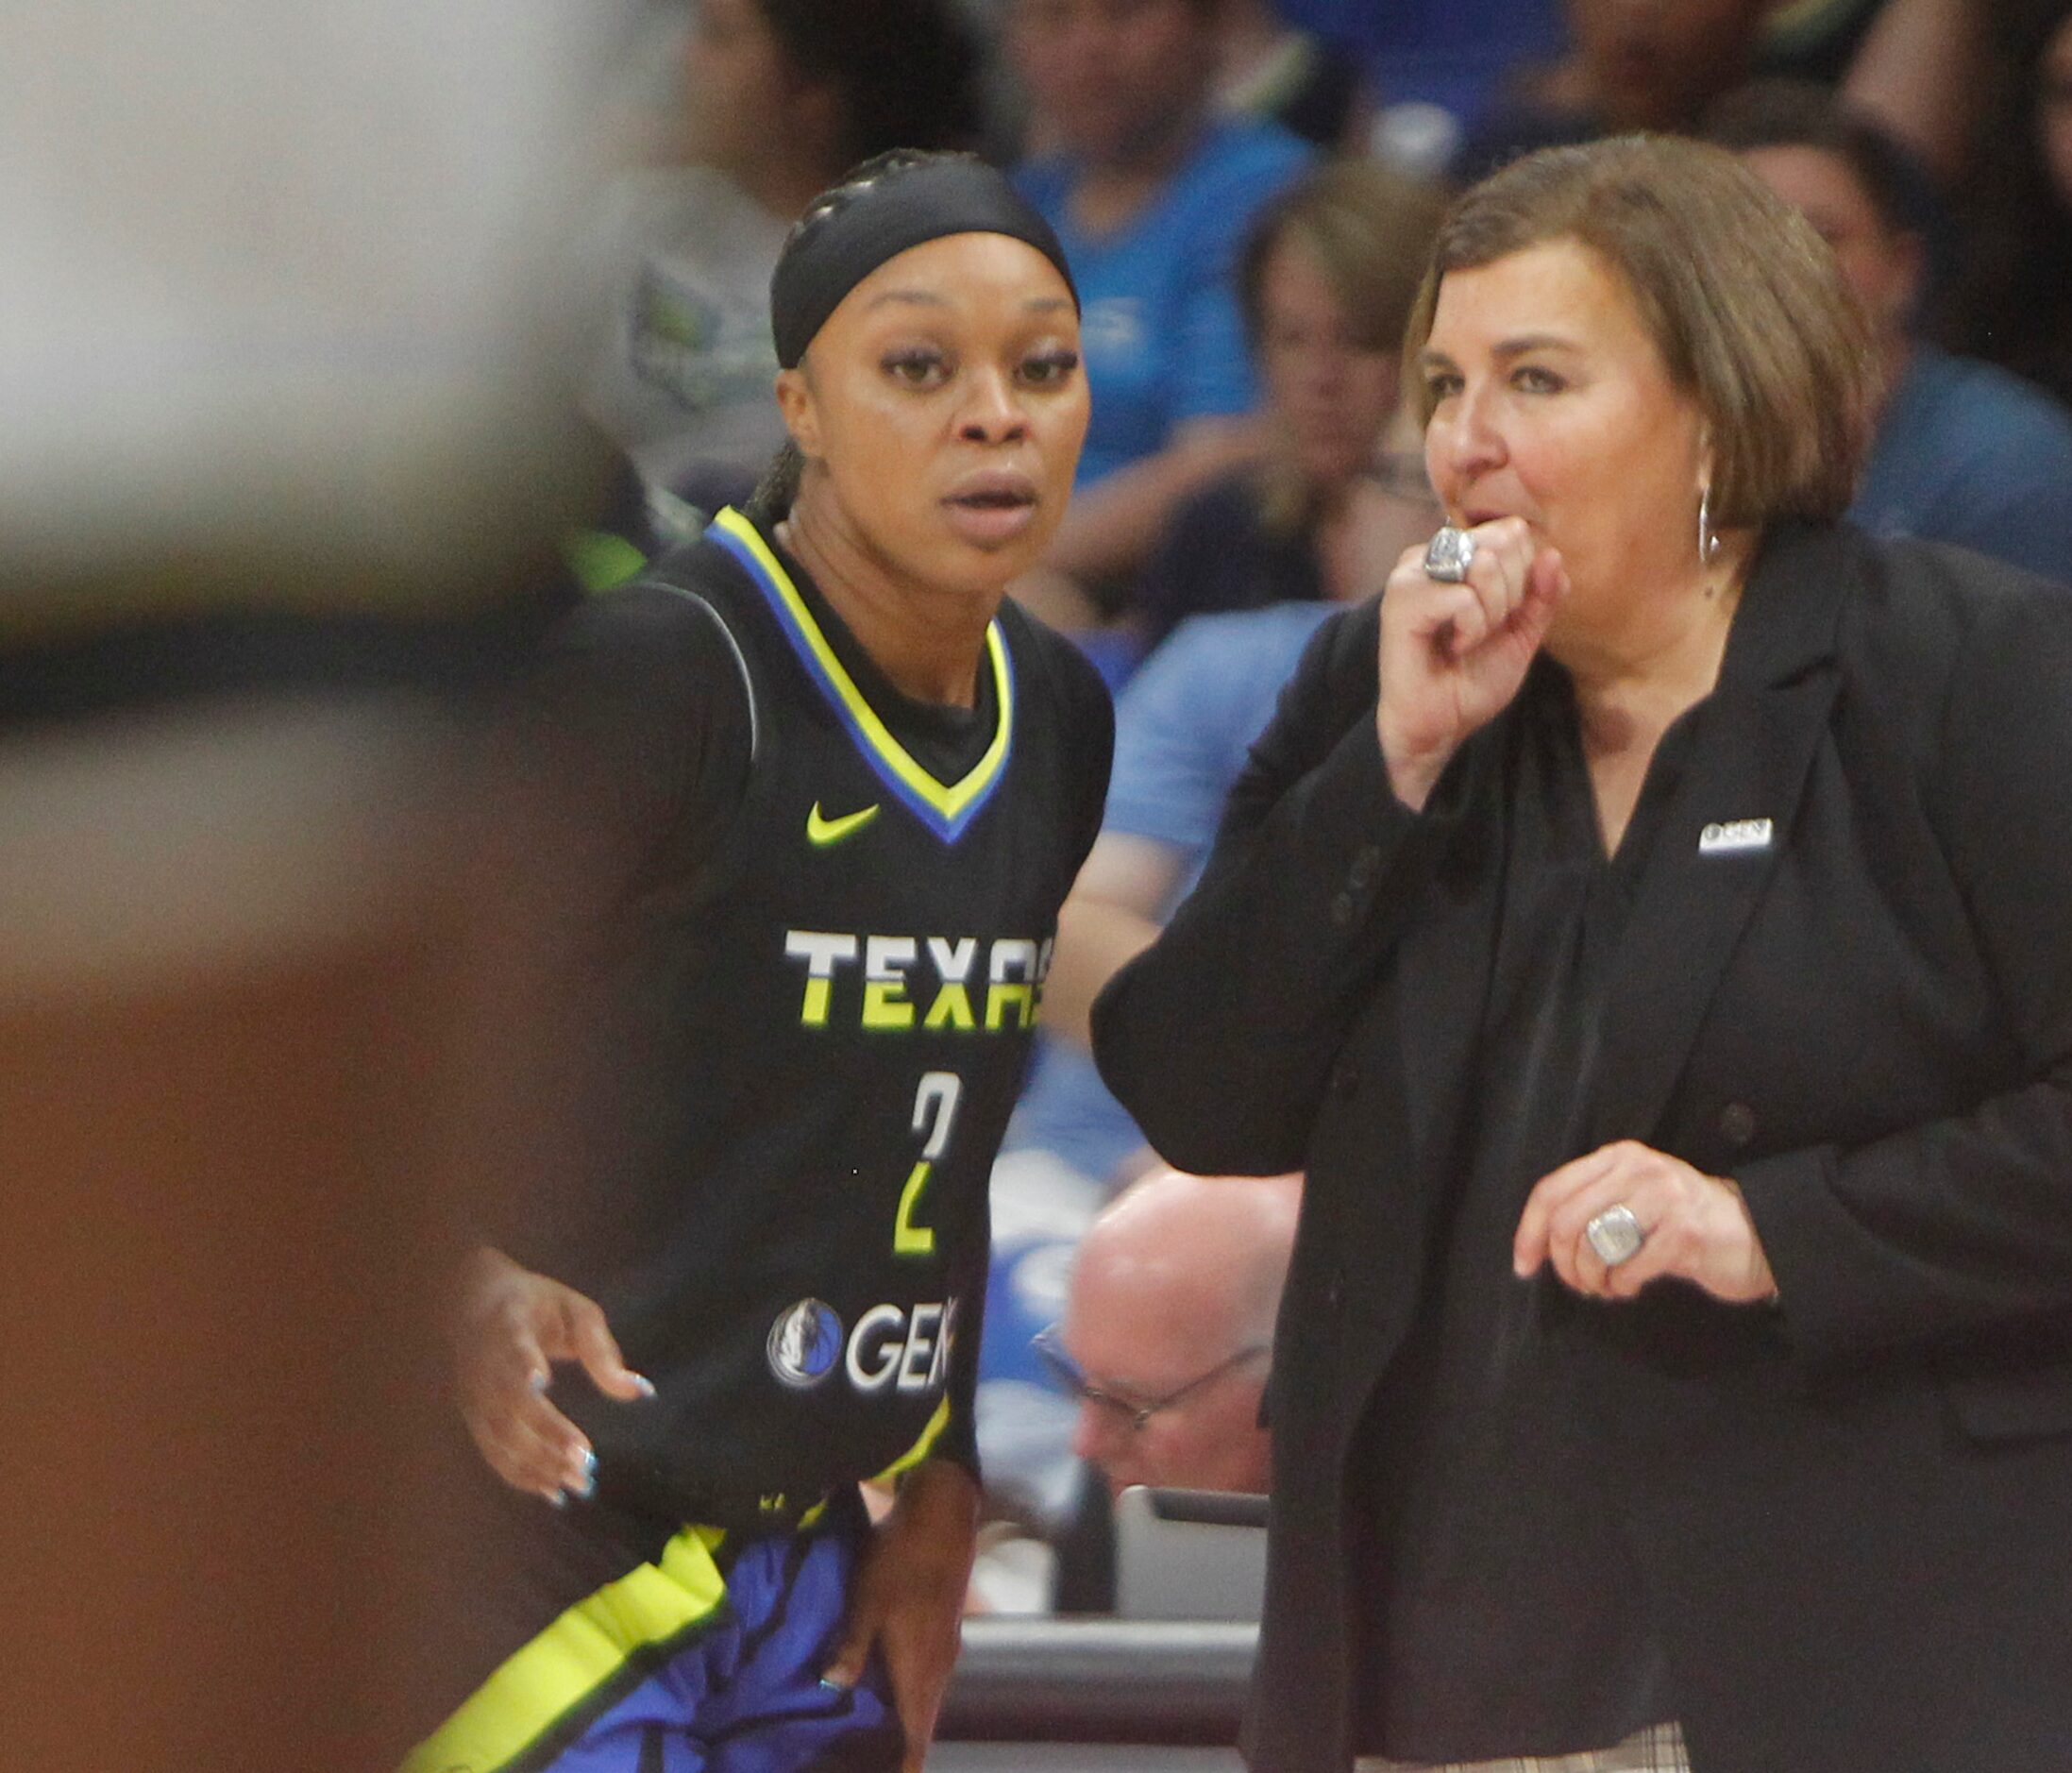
[1448,555]
[1615,1234]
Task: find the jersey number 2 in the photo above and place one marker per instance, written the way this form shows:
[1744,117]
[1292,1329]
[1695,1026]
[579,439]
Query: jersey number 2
[934,1112]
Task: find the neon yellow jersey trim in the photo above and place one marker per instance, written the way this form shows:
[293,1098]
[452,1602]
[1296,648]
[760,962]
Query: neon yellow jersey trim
[601,560]
[580,1652]
[947,800]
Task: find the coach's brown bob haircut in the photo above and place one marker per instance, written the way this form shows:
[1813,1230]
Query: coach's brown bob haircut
[1741,298]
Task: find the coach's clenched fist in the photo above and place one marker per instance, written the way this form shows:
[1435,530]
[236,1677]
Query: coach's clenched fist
[1455,652]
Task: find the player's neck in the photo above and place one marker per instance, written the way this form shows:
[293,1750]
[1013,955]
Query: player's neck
[928,640]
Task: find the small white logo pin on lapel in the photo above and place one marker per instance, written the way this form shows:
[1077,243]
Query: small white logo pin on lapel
[1734,835]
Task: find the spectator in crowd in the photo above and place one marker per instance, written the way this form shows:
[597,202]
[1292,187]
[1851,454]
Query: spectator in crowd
[1643,926]
[2013,300]
[1658,64]
[782,98]
[1162,1347]
[1652,65]
[1962,451]
[1168,1331]
[1275,70]
[1914,65]
[1150,191]
[1324,283]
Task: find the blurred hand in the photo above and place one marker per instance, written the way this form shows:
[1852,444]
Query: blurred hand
[511,1326]
[1697,1227]
[1454,655]
[909,1597]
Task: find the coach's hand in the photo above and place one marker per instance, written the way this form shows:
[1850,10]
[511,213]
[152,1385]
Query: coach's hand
[1694,1227]
[510,1327]
[1453,654]
[909,1597]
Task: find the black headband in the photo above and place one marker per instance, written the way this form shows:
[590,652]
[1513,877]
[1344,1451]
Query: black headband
[833,252]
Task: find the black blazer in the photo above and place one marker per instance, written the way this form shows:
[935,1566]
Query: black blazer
[1853,1512]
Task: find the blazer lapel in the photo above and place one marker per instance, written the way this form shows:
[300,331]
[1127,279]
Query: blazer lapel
[1714,854]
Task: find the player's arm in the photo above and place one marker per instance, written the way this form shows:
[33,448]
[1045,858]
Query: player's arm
[511,1325]
[909,1597]
[636,732]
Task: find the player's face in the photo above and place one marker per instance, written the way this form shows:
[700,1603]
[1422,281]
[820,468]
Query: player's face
[942,406]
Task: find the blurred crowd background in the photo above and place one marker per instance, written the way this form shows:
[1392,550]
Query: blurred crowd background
[342,349]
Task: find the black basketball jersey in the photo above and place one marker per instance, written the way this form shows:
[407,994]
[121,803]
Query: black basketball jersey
[823,994]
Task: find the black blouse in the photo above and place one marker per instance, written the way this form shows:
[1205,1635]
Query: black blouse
[1503,1612]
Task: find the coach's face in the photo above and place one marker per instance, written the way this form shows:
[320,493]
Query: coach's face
[942,406]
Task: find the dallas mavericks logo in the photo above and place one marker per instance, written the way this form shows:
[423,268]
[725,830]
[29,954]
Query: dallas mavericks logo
[805,1342]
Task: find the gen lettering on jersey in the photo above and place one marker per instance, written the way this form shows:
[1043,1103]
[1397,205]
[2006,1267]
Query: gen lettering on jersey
[895,984]
[891,1348]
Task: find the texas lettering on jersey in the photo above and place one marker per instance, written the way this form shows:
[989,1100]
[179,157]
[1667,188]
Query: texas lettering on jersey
[897,983]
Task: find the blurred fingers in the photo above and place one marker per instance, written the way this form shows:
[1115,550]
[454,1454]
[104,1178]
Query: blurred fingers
[589,1341]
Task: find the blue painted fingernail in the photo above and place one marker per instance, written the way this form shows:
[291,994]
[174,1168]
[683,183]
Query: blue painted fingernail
[646,1385]
[557,1500]
[831,1686]
[538,1382]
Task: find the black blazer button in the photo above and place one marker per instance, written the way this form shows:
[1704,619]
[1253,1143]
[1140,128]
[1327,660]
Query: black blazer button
[1334,1291]
[1344,1078]
[1737,1123]
[1341,910]
[1366,864]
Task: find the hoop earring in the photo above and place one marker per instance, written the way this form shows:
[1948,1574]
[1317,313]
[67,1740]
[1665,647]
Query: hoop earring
[1708,540]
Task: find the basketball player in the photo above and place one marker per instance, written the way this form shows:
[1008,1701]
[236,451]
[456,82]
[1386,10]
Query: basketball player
[845,787]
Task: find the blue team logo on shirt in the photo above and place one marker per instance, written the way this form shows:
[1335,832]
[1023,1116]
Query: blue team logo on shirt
[805,1342]
[1113,325]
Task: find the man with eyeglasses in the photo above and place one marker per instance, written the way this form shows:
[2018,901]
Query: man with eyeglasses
[1168,1330]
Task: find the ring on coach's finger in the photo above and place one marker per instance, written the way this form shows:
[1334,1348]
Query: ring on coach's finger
[1615,1234]
[1448,555]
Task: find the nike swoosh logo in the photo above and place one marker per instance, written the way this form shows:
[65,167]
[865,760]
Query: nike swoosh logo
[821,832]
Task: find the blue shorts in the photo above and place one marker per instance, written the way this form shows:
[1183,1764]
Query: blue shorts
[706,1661]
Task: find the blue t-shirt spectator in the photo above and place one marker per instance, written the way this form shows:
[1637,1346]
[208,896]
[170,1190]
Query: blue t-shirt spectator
[1183,730]
[1967,453]
[1159,328]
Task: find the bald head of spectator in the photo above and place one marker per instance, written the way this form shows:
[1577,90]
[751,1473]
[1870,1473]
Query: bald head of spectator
[1168,1329]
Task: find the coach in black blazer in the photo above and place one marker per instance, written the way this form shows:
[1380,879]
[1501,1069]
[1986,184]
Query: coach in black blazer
[1789,1488]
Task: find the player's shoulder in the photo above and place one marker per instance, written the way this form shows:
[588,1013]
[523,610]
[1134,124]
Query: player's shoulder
[1048,666]
[677,631]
